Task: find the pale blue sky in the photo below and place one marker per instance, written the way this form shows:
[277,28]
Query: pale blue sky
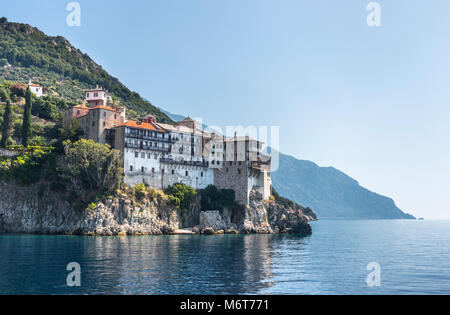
[372,102]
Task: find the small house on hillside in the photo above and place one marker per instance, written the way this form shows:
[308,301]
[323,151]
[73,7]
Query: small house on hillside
[36,89]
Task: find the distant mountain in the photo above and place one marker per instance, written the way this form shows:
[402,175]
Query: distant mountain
[177,118]
[331,193]
[328,191]
[27,53]
[174,117]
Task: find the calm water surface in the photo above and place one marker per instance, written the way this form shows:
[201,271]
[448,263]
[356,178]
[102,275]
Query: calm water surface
[414,258]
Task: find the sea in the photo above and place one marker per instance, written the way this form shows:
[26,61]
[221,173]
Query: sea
[340,257]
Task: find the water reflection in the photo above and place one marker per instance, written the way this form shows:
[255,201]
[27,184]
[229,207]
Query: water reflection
[414,256]
[228,264]
[183,264]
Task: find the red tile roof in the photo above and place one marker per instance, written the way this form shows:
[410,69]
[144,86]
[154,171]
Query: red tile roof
[105,108]
[135,124]
[81,106]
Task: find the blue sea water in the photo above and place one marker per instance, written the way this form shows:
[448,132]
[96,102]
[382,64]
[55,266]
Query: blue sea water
[414,257]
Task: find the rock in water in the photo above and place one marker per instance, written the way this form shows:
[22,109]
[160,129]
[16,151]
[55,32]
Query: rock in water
[212,219]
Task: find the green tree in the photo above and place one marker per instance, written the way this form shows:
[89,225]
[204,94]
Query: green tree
[7,124]
[215,199]
[4,95]
[184,193]
[91,167]
[73,132]
[26,124]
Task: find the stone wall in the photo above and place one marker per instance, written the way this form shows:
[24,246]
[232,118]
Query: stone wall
[234,176]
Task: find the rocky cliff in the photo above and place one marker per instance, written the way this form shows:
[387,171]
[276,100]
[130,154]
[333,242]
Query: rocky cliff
[26,210]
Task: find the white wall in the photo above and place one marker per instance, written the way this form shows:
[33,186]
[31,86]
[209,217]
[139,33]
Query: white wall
[36,91]
[156,179]
[145,159]
[193,179]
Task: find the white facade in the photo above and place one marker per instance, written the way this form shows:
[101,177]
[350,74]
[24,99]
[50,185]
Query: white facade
[97,97]
[36,89]
[215,152]
[161,155]
[154,169]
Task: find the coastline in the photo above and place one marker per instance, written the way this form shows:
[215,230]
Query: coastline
[25,211]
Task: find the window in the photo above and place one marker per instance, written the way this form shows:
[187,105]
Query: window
[142,169]
[104,114]
[153,170]
[231,163]
[148,156]
[201,174]
[143,155]
[136,154]
[95,94]
[104,123]
[187,173]
[131,168]
[227,169]
[88,95]
[239,171]
[173,172]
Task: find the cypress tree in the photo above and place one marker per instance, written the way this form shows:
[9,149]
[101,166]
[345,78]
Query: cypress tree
[7,124]
[26,124]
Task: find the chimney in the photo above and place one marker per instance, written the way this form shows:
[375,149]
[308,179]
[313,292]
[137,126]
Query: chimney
[150,119]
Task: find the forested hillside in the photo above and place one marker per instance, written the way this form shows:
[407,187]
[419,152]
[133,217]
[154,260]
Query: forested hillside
[27,53]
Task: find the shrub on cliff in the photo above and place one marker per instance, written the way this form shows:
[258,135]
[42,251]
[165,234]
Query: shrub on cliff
[181,195]
[215,199]
[27,166]
[90,168]
[284,201]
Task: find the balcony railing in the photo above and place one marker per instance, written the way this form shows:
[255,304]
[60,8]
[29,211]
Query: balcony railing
[140,173]
[142,137]
[145,147]
[188,163]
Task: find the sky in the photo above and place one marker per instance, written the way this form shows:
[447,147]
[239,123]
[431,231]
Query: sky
[371,101]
